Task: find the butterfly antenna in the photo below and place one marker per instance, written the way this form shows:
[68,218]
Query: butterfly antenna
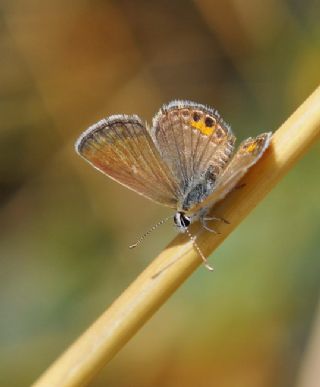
[205,261]
[149,232]
[195,245]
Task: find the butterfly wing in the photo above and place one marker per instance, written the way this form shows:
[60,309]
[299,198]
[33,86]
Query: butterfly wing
[121,147]
[248,153]
[192,138]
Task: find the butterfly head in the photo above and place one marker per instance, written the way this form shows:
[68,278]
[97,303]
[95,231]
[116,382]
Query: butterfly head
[182,221]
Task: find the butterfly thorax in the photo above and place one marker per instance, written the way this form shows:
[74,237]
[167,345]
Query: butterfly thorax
[198,191]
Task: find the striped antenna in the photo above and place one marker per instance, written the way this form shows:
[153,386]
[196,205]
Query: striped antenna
[150,231]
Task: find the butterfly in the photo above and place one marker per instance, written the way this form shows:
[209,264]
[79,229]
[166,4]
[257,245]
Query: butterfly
[185,160]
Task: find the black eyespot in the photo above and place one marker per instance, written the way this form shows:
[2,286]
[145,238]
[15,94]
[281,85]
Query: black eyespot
[196,117]
[209,122]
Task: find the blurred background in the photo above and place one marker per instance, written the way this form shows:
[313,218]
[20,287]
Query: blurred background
[65,228]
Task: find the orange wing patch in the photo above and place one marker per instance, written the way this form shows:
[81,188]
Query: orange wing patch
[251,147]
[205,126]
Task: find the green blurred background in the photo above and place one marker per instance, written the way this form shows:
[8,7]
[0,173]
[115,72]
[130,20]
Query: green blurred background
[65,228]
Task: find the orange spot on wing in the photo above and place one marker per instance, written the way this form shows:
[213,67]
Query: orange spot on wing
[201,126]
[251,147]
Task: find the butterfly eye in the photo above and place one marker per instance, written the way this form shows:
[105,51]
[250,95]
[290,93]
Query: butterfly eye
[196,117]
[208,122]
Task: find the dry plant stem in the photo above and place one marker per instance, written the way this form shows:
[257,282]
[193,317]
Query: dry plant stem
[98,345]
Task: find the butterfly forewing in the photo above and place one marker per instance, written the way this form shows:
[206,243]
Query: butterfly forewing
[122,148]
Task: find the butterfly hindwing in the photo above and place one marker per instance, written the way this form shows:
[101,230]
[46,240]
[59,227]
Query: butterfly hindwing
[248,153]
[192,138]
[196,144]
[121,147]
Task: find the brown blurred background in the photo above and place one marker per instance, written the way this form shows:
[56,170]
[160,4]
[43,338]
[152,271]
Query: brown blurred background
[65,228]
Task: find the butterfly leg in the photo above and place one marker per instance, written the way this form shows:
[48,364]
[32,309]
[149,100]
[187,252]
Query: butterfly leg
[242,185]
[203,220]
[237,187]
[195,245]
[220,219]
[206,227]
